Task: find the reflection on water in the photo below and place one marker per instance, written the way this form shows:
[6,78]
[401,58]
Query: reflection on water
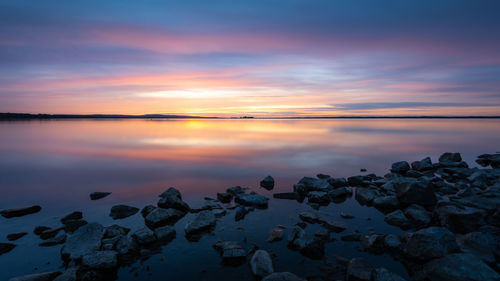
[58,163]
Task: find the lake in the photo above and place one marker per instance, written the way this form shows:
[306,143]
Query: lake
[58,163]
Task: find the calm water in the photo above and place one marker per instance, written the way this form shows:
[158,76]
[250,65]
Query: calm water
[56,164]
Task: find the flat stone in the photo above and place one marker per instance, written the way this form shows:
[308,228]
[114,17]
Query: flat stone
[261,264]
[254,200]
[11,213]
[203,221]
[161,217]
[39,229]
[98,195]
[232,252]
[225,197]
[335,226]
[45,276]
[85,240]
[122,211]
[144,236]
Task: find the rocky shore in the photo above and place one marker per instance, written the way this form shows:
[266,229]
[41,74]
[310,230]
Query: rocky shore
[450,214]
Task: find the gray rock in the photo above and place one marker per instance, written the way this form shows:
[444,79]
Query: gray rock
[489,159]
[282,276]
[422,165]
[340,192]
[287,195]
[365,196]
[126,245]
[122,211]
[267,183]
[147,210]
[98,195]
[45,276]
[373,243]
[11,213]
[235,190]
[400,167]
[225,197]
[382,274]
[355,180]
[115,230]
[418,215]
[319,197]
[219,213]
[241,212]
[165,233]
[203,221]
[261,264]
[100,260]
[459,267]
[359,269]
[161,217]
[335,226]
[311,247]
[313,184]
[172,198]
[253,199]
[461,220]
[49,233]
[386,203]
[144,236]
[231,252]
[6,247]
[309,216]
[480,244]
[415,192]
[337,182]
[397,218]
[276,235]
[430,243]
[450,157]
[85,240]
[392,241]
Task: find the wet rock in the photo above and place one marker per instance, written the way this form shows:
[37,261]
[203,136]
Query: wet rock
[100,260]
[49,233]
[219,213]
[144,236]
[480,244]
[126,245]
[225,197]
[382,274]
[397,218]
[337,182]
[461,219]
[11,213]
[287,195]
[422,165]
[353,236]
[450,157]
[459,267]
[252,199]
[365,196]
[203,221]
[68,275]
[311,247]
[98,195]
[392,241]
[267,183]
[400,167]
[319,197]
[172,198]
[115,230]
[71,226]
[15,236]
[359,269]
[346,215]
[72,216]
[308,216]
[261,264]
[386,203]
[418,215]
[276,235]
[282,276]
[231,252]
[489,159]
[39,229]
[235,190]
[6,247]
[355,180]
[323,176]
[241,212]
[313,184]
[160,217]
[45,276]
[59,239]
[340,192]
[85,240]
[335,226]
[430,243]
[147,210]
[415,192]
[122,211]
[165,233]
[373,243]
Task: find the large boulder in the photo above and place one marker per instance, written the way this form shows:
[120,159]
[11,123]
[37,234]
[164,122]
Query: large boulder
[359,269]
[365,196]
[422,165]
[418,215]
[337,182]
[252,199]
[319,197]
[161,217]
[85,240]
[461,219]
[489,159]
[480,244]
[282,276]
[400,167]
[171,198]
[314,184]
[122,211]
[165,233]
[261,264]
[415,192]
[459,267]
[430,243]
[397,218]
[144,236]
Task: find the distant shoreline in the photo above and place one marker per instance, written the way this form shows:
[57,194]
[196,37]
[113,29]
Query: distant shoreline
[28,116]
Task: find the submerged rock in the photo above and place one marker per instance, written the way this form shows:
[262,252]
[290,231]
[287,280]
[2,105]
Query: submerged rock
[98,195]
[310,247]
[309,216]
[232,252]
[11,213]
[261,264]
[85,240]
[122,211]
[45,276]
[459,267]
[267,183]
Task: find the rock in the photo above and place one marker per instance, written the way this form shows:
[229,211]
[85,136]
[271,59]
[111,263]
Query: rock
[382,274]
[365,196]
[489,159]
[337,182]
[240,213]
[11,213]
[253,199]
[313,184]
[203,221]
[59,239]
[98,195]
[482,245]
[355,180]
[208,205]
[267,183]
[459,267]
[231,252]
[323,235]
[282,276]
[319,197]
[15,236]
[6,247]
[323,176]
[276,235]
[340,192]
[353,236]
[161,217]
[172,198]
[144,236]
[392,241]
[71,226]
[225,197]
[287,195]
[400,167]
[100,260]
[165,233]
[147,210]
[335,226]
[418,215]
[45,276]
[68,275]
[219,213]
[49,233]
[85,240]
[311,247]
[386,203]
[373,243]
[308,216]
[461,220]
[122,211]
[115,230]
[235,190]
[346,215]
[422,165]
[450,157]
[126,245]
[72,216]
[359,269]
[430,243]
[415,192]
[397,218]
[261,264]
[39,229]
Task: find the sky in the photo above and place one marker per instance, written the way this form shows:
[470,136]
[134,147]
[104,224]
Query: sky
[261,58]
